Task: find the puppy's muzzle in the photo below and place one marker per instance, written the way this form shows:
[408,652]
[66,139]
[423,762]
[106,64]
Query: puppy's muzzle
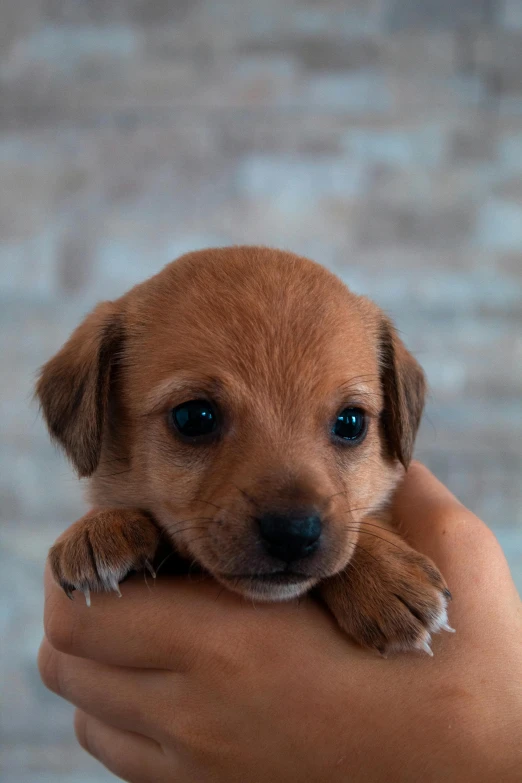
[290,536]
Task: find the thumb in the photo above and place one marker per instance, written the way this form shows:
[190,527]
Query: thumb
[423,508]
[434,522]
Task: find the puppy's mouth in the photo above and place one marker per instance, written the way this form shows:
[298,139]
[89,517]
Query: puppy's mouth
[275,577]
[272,586]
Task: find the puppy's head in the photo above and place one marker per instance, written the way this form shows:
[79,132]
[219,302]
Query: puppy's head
[249,401]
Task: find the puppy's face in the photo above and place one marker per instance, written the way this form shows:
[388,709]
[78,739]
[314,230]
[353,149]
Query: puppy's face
[251,403]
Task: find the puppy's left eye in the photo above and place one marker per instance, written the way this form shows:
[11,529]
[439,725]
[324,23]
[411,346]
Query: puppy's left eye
[194,419]
[351,425]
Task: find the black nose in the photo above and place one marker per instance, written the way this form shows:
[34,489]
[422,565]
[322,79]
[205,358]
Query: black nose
[290,536]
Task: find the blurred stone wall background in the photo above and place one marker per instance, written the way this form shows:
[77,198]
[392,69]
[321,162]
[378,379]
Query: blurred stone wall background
[381,137]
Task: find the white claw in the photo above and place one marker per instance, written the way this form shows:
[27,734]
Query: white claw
[426,647]
[424,644]
[150,569]
[115,586]
[87,595]
[446,627]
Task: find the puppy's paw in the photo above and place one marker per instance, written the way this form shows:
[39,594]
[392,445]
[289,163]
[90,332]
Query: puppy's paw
[99,550]
[391,599]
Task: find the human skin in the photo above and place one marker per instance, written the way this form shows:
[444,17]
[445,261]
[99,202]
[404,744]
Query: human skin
[185,682]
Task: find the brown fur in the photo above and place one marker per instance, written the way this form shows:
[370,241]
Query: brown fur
[280,345]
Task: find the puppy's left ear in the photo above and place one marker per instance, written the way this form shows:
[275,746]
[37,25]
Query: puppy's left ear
[404,387]
[73,388]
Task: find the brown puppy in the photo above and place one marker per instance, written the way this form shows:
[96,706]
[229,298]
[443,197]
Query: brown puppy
[245,405]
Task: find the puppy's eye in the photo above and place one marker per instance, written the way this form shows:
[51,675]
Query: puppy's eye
[351,425]
[194,419]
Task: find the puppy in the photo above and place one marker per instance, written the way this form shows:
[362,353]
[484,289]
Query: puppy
[246,407]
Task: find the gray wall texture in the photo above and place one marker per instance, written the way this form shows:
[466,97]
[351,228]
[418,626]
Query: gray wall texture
[380,137]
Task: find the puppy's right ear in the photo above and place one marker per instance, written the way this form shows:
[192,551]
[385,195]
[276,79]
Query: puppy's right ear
[73,388]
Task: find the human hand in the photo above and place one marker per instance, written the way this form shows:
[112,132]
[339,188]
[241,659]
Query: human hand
[188,683]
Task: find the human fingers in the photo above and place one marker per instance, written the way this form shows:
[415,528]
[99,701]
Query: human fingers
[128,699]
[177,624]
[132,757]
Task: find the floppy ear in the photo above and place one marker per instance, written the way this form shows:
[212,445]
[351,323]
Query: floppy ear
[73,388]
[404,387]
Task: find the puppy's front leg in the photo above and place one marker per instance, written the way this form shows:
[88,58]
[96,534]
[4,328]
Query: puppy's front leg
[389,597]
[99,550]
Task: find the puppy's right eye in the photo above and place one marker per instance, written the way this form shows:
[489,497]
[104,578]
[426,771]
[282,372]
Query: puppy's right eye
[194,419]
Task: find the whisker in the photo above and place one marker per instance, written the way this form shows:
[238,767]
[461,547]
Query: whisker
[358,508]
[374,535]
[356,567]
[171,554]
[146,581]
[188,529]
[246,495]
[193,564]
[364,523]
[336,494]
[189,519]
[225,568]
[357,544]
[218,596]
[108,460]
[219,508]
[198,538]
[112,475]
